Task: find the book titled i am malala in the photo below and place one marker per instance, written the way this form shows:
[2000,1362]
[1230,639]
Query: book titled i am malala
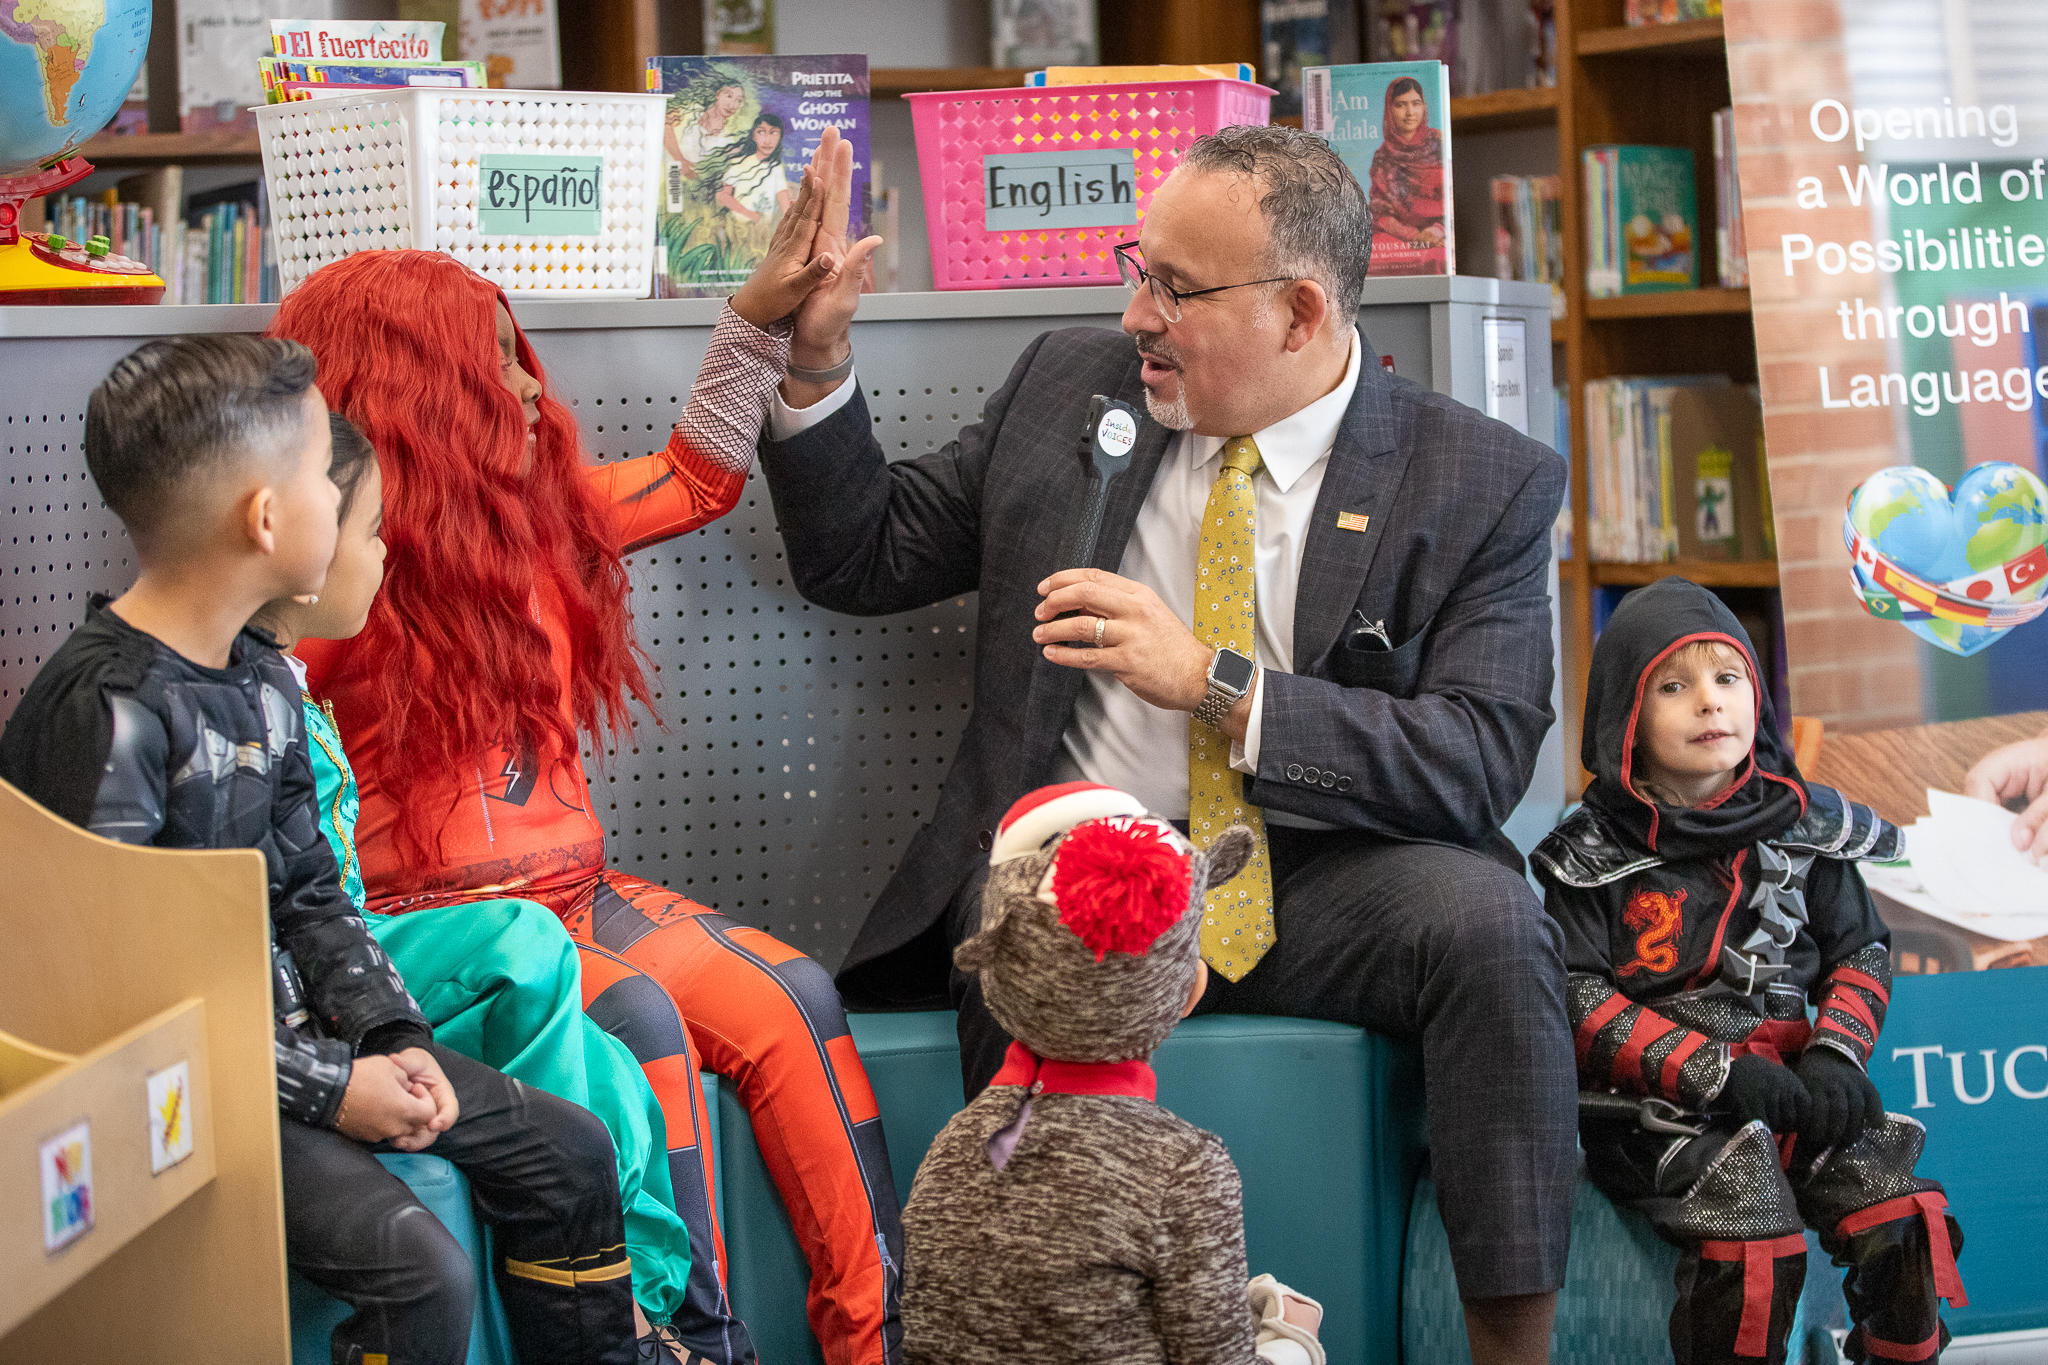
[738,133]
[1391,122]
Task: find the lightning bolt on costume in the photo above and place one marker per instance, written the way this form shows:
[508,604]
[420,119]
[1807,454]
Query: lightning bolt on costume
[1695,938]
[501,634]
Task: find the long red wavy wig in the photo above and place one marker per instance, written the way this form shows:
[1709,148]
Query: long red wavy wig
[452,658]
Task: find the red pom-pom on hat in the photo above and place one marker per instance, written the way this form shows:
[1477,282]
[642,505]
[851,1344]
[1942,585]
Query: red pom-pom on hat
[1120,884]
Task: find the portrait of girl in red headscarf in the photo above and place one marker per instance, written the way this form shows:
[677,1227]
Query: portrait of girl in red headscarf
[1409,182]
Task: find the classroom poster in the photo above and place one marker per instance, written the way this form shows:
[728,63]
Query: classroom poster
[1895,195]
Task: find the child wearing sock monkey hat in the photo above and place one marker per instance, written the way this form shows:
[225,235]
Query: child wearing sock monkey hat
[1063,1215]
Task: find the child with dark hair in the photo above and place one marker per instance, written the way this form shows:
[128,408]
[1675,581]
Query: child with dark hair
[164,721]
[753,185]
[498,980]
[1706,894]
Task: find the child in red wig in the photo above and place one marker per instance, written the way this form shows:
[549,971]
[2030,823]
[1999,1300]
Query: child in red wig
[502,633]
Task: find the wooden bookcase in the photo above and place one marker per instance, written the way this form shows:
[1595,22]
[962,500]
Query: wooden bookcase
[1659,85]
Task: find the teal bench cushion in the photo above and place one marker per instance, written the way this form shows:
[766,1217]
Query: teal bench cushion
[442,1189]
[1323,1120]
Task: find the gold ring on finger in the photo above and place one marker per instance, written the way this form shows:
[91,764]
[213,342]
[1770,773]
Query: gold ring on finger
[1100,625]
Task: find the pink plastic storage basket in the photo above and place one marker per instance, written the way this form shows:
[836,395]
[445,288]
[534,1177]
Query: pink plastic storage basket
[957,128]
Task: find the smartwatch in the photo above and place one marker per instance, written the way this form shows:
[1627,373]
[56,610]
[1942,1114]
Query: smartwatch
[1230,677]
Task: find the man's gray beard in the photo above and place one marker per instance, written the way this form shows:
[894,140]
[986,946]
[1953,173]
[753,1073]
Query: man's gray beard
[1173,416]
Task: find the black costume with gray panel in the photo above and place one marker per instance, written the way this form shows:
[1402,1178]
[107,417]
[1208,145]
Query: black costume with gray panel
[1696,936]
[122,735]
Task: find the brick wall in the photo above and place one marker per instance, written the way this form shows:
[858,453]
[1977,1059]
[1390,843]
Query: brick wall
[1848,669]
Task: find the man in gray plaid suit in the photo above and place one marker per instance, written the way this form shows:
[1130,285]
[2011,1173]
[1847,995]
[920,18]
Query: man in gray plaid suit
[1381,706]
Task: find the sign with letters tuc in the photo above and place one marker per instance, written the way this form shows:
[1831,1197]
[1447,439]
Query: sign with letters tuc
[542,196]
[1024,191]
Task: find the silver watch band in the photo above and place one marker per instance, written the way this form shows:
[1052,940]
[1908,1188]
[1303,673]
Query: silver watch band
[1213,707]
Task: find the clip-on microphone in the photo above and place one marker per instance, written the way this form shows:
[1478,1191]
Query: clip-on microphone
[1106,445]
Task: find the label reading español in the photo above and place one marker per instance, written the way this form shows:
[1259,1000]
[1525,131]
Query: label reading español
[1031,190]
[550,196]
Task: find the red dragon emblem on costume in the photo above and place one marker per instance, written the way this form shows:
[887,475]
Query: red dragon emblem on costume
[1658,914]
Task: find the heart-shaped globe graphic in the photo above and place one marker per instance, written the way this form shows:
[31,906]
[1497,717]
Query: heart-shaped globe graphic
[1997,514]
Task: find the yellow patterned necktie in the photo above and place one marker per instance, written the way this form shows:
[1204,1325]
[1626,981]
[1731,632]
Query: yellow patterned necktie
[1237,918]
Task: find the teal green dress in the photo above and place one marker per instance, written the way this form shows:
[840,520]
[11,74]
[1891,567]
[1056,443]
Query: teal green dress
[500,981]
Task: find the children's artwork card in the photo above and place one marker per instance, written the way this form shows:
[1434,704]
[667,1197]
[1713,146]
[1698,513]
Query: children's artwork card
[738,133]
[68,1209]
[170,1116]
[1391,123]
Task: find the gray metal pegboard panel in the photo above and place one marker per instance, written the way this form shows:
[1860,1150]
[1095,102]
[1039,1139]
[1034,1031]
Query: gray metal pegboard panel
[798,750]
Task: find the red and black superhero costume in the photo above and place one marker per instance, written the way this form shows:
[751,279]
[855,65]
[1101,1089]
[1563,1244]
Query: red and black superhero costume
[1694,936]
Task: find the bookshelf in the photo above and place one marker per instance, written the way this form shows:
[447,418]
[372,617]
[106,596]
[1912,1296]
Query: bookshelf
[1658,84]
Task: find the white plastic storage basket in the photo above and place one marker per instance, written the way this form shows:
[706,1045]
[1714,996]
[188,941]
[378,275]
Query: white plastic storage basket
[546,193]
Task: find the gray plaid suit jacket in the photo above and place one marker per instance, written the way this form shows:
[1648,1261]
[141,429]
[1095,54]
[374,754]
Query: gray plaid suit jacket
[1433,742]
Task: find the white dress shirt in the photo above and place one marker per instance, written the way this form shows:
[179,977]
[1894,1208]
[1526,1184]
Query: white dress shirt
[1115,737]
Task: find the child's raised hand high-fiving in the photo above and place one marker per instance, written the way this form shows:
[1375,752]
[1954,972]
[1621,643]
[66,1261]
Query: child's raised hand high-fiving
[809,248]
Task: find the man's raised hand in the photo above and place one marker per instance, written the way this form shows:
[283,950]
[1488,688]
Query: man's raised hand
[824,320]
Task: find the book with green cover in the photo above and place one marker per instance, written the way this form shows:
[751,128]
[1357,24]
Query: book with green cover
[1643,212]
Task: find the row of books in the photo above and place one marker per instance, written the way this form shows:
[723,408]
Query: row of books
[1675,470]
[234,54]
[1642,220]
[1528,232]
[220,253]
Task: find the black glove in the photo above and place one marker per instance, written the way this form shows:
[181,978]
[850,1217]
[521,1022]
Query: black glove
[1760,1089]
[1844,1100]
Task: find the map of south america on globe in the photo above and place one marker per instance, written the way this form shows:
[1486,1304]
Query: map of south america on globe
[65,66]
[62,33]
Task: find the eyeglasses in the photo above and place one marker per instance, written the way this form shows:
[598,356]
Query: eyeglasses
[1165,296]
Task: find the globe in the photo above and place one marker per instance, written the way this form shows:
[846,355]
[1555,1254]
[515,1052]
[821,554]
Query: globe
[1995,516]
[65,67]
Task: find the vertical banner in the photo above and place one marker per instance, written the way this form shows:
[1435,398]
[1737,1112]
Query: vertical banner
[1895,196]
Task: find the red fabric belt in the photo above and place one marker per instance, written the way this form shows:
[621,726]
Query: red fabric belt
[1759,1260]
[1932,1208]
[1022,1066]
[1892,1350]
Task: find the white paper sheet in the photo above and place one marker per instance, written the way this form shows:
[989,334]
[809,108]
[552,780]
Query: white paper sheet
[1970,874]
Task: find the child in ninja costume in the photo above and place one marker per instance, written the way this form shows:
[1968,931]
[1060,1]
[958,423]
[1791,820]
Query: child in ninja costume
[1064,1216]
[1706,894]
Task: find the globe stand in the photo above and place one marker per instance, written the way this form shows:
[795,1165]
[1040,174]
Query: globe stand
[16,190]
[41,268]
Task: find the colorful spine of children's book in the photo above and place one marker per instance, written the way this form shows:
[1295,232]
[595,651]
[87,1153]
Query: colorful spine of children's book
[739,132]
[1390,121]
[1644,215]
[1731,245]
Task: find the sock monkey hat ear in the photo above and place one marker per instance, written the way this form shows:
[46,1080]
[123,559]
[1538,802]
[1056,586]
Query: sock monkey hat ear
[1052,811]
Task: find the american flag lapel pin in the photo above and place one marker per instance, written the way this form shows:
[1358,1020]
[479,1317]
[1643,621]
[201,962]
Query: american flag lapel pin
[1352,521]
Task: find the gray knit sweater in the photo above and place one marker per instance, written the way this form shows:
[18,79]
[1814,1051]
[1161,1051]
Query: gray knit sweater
[1115,1233]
